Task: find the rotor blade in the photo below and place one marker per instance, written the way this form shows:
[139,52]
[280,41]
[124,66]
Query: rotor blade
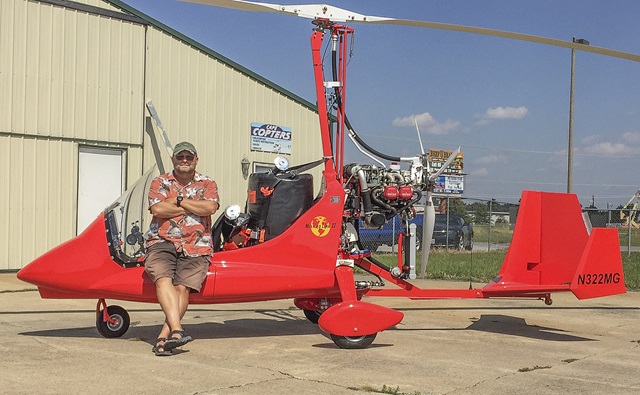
[313,11]
[239,5]
[506,34]
[310,11]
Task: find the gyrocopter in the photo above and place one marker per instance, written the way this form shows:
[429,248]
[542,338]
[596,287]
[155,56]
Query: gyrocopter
[289,244]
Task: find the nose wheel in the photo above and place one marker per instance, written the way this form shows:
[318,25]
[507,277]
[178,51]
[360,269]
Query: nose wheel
[353,342]
[112,322]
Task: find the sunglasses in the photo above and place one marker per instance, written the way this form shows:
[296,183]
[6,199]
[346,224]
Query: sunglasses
[189,158]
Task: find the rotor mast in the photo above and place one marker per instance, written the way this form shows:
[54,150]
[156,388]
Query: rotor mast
[339,34]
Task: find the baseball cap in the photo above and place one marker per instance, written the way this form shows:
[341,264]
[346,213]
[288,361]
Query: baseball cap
[184,146]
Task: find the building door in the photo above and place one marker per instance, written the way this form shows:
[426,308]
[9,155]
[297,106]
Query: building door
[100,182]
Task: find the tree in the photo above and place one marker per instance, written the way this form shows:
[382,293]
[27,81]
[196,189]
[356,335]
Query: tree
[457,207]
[480,213]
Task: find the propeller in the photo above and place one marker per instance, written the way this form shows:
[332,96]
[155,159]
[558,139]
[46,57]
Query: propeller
[429,215]
[335,14]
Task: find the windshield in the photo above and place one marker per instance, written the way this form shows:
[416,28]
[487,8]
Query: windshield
[131,216]
[453,220]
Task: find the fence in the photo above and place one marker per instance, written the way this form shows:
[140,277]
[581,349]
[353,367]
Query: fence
[485,225]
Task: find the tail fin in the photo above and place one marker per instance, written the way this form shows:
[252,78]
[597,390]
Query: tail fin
[551,250]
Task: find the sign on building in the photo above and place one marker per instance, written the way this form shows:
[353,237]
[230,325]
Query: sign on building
[270,138]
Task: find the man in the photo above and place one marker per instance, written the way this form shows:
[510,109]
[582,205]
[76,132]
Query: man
[179,240]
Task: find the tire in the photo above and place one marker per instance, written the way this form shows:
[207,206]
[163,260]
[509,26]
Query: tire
[469,246]
[460,243]
[109,330]
[312,315]
[353,343]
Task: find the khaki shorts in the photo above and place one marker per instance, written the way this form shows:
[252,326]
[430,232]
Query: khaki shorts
[162,260]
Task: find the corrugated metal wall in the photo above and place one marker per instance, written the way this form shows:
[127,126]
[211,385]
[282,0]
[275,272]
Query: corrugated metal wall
[67,78]
[73,76]
[199,98]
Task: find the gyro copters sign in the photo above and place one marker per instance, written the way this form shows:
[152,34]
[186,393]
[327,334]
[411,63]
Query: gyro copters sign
[270,138]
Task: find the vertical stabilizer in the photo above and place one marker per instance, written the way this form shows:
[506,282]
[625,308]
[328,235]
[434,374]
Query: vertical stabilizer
[548,240]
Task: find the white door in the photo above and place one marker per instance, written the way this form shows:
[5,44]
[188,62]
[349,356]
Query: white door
[100,182]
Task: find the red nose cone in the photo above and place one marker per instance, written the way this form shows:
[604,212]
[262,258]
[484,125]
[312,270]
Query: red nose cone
[73,265]
[31,273]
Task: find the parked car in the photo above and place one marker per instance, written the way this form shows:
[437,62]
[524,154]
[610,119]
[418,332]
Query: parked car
[388,235]
[460,235]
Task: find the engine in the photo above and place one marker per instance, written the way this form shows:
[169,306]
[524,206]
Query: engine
[377,195]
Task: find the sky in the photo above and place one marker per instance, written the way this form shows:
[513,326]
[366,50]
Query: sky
[504,102]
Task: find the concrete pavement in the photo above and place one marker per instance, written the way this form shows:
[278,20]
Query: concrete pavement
[441,347]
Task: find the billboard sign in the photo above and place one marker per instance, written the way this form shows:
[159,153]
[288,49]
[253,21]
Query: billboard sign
[449,184]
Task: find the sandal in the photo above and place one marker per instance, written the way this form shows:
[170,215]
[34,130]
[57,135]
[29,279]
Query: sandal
[159,349]
[174,342]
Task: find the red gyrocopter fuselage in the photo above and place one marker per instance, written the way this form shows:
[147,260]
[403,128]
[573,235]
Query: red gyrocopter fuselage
[312,255]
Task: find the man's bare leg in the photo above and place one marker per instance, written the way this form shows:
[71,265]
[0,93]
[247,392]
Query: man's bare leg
[169,300]
[183,303]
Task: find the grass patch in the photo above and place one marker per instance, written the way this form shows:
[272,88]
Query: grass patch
[523,370]
[500,233]
[623,234]
[569,360]
[456,265]
[384,390]
[483,266]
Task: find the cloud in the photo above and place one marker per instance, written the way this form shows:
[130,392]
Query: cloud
[490,159]
[428,123]
[480,172]
[500,113]
[631,138]
[593,139]
[610,149]
[627,145]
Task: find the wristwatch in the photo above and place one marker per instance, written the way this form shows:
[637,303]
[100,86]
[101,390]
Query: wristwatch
[179,200]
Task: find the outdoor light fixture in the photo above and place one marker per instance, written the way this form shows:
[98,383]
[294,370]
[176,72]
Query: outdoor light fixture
[245,167]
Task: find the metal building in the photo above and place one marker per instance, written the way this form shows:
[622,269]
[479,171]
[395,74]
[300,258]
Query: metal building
[75,130]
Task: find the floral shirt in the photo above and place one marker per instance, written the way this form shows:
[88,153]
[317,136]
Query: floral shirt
[189,233]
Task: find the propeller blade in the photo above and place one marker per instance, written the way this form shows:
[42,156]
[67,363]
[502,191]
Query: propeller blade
[419,138]
[428,223]
[445,165]
[313,11]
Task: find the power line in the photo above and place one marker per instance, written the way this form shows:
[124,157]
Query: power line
[518,150]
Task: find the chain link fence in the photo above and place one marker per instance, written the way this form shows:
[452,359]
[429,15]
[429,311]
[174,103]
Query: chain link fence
[485,225]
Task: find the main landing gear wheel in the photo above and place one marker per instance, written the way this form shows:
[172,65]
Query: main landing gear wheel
[353,342]
[312,315]
[113,329]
